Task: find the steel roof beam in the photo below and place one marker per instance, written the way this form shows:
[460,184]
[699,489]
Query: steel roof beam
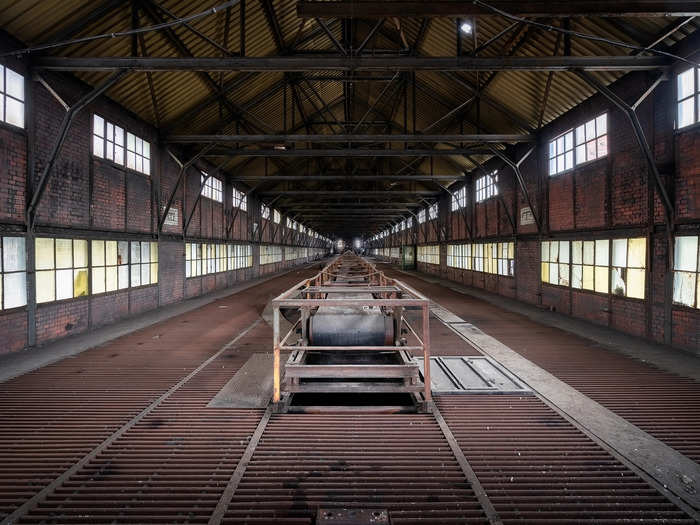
[344,138]
[324,63]
[273,153]
[534,8]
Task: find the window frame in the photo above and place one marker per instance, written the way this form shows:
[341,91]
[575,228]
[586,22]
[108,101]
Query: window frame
[54,269]
[486,186]
[4,95]
[695,273]
[143,156]
[239,199]
[596,140]
[5,273]
[459,199]
[695,93]
[212,187]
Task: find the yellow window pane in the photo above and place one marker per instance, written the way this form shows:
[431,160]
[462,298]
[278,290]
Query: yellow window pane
[636,253]
[601,279]
[64,253]
[44,254]
[80,282]
[511,250]
[45,286]
[154,273]
[98,253]
[110,279]
[98,279]
[80,254]
[154,252]
[635,283]
[602,248]
[110,253]
[588,249]
[588,277]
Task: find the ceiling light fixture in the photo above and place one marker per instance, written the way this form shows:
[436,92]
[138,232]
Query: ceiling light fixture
[466,27]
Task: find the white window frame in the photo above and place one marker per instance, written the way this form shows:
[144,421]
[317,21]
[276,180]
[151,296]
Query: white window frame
[486,186]
[459,198]
[561,153]
[213,188]
[692,99]
[433,211]
[12,98]
[107,140]
[591,140]
[13,272]
[239,199]
[138,154]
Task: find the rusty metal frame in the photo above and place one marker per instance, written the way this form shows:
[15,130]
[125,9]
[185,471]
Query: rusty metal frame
[390,292]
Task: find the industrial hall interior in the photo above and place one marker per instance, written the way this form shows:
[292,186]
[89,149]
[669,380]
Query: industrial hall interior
[350,262]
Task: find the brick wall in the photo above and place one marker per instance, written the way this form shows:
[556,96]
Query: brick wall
[606,198]
[92,198]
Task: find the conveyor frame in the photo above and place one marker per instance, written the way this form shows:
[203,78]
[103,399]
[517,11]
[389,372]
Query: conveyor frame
[385,293]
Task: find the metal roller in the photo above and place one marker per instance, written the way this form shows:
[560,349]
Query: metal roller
[350,326]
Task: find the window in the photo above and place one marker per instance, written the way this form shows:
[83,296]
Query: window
[193,259]
[276,216]
[628,267]
[459,256]
[61,269]
[506,258]
[686,271]
[13,273]
[144,263]
[590,266]
[270,254]
[459,198]
[110,266]
[429,254]
[486,187]
[592,139]
[212,188]
[138,154]
[555,262]
[264,211]
[294,252]
[239,199]
[107,140]
[421,216]
[561,153]
[433,212]
[240,256]
[688,94]
[11,97]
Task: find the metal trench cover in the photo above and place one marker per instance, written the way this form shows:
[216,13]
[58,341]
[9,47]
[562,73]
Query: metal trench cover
[469,375]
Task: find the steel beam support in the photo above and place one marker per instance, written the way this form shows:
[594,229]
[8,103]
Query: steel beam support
[86,99]
[354,63]
[352,137]
[273,153]
[530,8]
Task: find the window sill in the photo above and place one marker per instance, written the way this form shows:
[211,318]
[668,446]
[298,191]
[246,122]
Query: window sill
[122,167]
[685,129]
[11,127]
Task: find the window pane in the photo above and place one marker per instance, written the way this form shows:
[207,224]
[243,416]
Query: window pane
[686,254]
[98,280]
[110,253]
[135,252]
[80,258]
[111,278]
[684,288]
[686,84]
[576,276]
[64,284]
[154,273]
[637,250]
[98,125]
[577,252]
[14,112]
[601,279]
[80,282]
[123,277]
[145,252]
[98,253]
[553,273]
[122,252]
[686,113]
[64,253]
[619,252]
[564,251]
[45,286]
[635,283]
[13,254]
[602,124]
[618,281]
[15,289]
[545,251]
[564,274]
[588,277]
[145,274]
[135,275]
[601,252]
